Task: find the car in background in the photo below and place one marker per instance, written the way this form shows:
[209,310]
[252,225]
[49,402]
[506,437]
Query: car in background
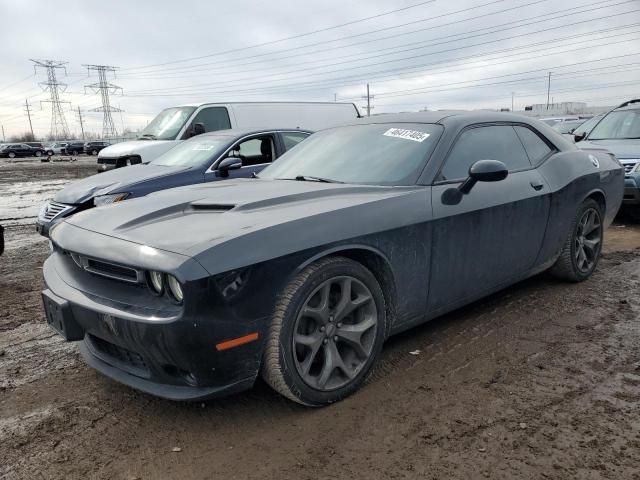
[300,276]
[580,132]
[176,124]
[38,146]
[208,157]
[13,150]
[566,128]
[619,132]
[93,148]
[56,148]
[551,121]
[75,148]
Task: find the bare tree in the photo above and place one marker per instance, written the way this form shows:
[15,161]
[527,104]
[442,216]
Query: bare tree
[22,137]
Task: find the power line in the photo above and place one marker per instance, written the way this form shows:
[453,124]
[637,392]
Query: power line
[584,10]
[59,127]
[326,29]
[105,88]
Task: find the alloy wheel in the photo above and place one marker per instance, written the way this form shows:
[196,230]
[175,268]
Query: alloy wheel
[588,240]
[334,333]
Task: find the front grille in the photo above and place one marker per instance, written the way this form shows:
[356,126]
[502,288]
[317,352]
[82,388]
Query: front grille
[121,357]
[55,209]
[629,165]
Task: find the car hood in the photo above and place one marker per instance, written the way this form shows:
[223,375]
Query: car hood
[146,149]
[112,181]
[620,148]
[246,221]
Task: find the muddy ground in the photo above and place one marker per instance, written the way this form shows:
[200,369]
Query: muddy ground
[539,381]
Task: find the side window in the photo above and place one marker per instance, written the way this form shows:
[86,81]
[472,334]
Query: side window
[254,151]
[213,118]
[291,139]
[495,142]
[536,148]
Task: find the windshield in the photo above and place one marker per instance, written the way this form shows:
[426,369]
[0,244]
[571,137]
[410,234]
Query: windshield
[376,154]
[619,124]
[167,124]
[567,127]
[587,126]
[192,153]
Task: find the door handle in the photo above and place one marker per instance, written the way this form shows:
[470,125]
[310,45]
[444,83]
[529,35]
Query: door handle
[537,185]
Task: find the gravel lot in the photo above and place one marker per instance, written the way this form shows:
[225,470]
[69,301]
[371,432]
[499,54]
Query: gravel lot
[539,381]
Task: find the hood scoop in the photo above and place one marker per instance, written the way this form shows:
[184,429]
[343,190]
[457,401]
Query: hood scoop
[206,206]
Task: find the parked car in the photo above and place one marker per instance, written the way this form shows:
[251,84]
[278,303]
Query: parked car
[176,124]
[551,121]
[567,128]
[56,148]
[208,158]
[619,132]
[38,146]
[580,132]
[93,148]
[75,148]
[13,150]
[300,275]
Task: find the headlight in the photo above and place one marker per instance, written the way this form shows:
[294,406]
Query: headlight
[175,288]
[155,282]
[108,199]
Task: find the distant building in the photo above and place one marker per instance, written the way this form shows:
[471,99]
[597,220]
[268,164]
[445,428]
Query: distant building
[564,108]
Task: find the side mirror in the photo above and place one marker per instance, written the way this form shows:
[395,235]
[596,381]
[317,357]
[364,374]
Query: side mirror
[229,163]
[577,137]
[480,171]
[198,128]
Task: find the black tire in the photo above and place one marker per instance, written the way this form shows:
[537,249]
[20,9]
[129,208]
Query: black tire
[38,153]
[280,364]
[94,152]
[12,155]
[50,153]
[567,266]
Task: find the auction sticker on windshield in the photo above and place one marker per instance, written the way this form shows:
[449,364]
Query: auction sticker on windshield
[414,135]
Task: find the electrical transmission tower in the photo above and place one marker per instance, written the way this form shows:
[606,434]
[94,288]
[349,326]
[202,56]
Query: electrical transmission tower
[59,129]
[105,88]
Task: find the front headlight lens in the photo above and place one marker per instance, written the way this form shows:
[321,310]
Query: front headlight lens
[175,288]
[155,282]
[109,199]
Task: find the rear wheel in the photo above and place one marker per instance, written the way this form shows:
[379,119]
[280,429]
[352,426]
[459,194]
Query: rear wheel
[94,152]
[327,331]
[581,251]
[49,153]
[12,155]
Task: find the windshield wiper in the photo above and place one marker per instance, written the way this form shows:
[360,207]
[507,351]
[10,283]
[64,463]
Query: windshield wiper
[148,135]
[308,178]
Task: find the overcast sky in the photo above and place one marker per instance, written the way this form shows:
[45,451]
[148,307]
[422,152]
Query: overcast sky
[415,54]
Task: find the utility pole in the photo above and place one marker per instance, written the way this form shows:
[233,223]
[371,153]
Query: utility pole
[105,88]
[335,97]
[59,129]
[80,119]
[368,97]
[27,109]
[548,89]
[512,95]
[3,139]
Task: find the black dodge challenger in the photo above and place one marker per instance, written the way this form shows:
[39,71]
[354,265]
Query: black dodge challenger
[300,275]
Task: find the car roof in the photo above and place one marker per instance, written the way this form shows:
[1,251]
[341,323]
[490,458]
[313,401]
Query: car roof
[241,132]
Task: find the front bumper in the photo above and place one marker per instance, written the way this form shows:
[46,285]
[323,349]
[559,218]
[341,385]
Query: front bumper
[166,352]
[631,189]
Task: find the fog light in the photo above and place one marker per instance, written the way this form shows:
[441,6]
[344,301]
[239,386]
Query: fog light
[155,282]
[175,288]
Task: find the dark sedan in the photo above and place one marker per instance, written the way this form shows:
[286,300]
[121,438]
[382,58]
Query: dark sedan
[13,150]
[208,158]
[93,148]
[300,275]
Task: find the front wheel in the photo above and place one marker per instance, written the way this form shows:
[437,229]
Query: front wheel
[38,153]
[49,153]
[12,155]
[94,152]
[327,331]
[581,251]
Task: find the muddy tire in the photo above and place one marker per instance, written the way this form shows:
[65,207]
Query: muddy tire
[327,332]
[581,251]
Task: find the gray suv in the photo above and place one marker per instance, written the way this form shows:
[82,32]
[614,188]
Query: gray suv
[619,132]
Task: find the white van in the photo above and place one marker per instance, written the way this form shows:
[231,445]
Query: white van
[175,124]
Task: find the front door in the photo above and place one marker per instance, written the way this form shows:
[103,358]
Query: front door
[255,153]
[494,234]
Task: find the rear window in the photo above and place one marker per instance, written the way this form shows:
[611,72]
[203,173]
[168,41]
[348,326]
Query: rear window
[536,148]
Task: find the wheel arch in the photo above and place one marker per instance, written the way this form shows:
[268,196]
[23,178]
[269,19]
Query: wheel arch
[599,196]
[376,262]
